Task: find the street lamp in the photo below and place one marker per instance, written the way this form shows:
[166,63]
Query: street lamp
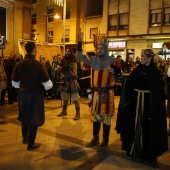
[56,16]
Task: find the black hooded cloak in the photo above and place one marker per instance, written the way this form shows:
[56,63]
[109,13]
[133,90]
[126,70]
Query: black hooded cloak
[154,125]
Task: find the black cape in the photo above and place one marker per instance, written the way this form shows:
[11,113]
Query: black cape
[158,142]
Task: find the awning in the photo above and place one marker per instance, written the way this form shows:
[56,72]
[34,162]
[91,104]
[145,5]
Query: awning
[57,2]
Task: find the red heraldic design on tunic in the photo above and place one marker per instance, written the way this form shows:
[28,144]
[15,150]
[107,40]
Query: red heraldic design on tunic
[100,79]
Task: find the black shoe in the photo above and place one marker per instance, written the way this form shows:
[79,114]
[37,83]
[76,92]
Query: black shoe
[103,145]
[92,143]
[33,146]
[102,148]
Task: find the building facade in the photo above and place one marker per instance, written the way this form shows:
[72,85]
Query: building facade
[129,25]
[15,25]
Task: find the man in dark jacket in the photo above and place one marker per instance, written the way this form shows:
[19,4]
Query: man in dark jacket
[9,66]
[30,76]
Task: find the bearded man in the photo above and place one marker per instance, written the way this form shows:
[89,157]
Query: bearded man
[69,89]
[102,81]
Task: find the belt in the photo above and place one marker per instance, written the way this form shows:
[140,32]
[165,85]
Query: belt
[102,89]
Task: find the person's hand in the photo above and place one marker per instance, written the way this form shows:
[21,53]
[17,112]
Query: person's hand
[111,70]
[80,35]
[58,68]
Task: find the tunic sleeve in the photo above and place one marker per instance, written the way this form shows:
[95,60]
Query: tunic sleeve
[84,58]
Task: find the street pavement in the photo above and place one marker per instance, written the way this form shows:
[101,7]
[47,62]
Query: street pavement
[63,143]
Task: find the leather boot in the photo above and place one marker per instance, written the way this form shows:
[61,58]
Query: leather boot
[64,110]
[104,144]
[77,107]
[77,116]
[95,140]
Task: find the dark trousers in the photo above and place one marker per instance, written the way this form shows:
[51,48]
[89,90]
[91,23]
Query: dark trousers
[29,132]
[12,94]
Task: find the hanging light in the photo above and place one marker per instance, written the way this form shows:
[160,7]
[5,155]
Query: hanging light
[6,3]
[56,16]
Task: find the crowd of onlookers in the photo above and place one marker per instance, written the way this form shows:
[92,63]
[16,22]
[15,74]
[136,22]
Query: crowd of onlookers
[6,70]
[122,69]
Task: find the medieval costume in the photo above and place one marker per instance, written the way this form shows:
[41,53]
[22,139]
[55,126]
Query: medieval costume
[141,119]
[29,76]
[70,87]
[168,95]
[102,106]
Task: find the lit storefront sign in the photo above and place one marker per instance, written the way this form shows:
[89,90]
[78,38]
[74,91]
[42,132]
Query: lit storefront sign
[117,44]
[2,42]
[157,45]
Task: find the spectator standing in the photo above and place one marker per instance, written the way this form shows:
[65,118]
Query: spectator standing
[2,78]
[49,70]
[56,75]
[137,61]
[9,66]
[128,65]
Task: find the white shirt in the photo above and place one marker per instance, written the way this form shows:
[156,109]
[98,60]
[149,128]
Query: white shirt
[47,85]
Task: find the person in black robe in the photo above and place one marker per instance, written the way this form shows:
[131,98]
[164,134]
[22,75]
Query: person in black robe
[141,119]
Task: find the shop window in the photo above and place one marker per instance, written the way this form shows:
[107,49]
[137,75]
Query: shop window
[113,20]
[123,21]
[155,17]
[167,16]
[93,31]
[34,19]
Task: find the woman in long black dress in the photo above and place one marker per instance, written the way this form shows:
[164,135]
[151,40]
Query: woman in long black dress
[141,119]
